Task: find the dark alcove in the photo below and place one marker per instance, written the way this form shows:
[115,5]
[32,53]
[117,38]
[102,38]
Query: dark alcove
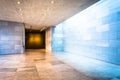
[34,39]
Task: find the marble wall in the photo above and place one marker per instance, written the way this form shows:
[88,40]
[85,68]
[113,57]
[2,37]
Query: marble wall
[48,40]
[12,37]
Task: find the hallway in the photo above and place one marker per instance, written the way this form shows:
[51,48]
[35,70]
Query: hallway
[36,65]
[81,39]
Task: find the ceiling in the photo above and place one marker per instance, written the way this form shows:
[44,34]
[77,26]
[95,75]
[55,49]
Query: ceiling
[40,14]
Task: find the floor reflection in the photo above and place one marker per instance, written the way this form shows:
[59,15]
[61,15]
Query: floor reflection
[100,70]
[37,65]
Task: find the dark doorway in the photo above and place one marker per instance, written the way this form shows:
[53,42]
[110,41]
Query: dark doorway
[34,39]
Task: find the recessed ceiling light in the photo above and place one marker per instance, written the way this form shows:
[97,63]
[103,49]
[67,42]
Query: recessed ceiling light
[18,2]
[20,9]
[52,2]
[21,14]
[48,9]
[45,14]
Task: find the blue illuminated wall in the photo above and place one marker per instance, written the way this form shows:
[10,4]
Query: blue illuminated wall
[94,32]
[57,38]
[12,37]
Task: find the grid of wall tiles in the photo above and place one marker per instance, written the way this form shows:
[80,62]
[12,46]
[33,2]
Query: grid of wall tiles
[95,32]
[12,37]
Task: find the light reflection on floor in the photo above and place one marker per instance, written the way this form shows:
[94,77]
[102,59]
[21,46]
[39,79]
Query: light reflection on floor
[37,65]
[96,68]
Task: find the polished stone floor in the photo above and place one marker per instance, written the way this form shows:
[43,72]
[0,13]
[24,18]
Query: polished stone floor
[37,65]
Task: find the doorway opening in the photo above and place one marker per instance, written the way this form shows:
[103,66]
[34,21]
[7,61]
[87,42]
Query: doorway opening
[34,39]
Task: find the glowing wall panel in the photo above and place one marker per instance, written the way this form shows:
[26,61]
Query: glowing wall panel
[95,32]
[57,38]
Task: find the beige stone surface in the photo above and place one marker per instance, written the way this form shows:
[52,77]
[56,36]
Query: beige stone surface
[40,14]
[34,65]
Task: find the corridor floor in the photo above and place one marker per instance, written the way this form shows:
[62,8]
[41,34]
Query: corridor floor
[37,65]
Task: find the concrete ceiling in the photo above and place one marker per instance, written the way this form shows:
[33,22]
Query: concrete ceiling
[41,13]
